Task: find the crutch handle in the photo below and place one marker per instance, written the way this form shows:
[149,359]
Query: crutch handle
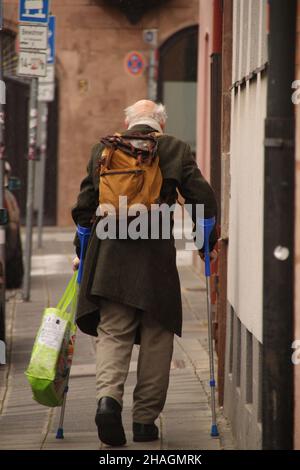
[83,235]
[207,225]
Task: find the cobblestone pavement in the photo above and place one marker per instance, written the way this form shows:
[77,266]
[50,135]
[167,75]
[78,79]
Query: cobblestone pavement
[24,424]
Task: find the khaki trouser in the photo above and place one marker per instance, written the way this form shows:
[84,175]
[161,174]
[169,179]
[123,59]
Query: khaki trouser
[116,335]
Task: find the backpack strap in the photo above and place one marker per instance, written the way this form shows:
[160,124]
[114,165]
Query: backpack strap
[122,142]
[148,155]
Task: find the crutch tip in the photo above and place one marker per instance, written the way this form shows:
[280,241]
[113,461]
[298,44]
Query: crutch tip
[60,433]
[214,431]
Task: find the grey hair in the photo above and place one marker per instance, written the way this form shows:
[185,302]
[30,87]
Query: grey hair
[159,113]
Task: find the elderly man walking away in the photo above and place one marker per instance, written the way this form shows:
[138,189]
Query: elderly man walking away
[130,290]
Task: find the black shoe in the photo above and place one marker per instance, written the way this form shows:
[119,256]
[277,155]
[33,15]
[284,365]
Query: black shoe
[109,422]
[144,432]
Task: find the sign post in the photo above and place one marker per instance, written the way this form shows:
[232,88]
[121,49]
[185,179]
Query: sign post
[150,37]
[43,123]
[46,94]
[33,16]
[32,136]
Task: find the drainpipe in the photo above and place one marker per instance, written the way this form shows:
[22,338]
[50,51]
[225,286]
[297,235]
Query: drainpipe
[216,102]
[224,205]
[278,258]
[215,157]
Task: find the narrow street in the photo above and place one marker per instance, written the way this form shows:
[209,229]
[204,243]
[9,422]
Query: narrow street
[24,424]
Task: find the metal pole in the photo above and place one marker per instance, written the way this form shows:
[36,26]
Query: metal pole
[32,138]
[152,81]
[214,432]
[2,224]
[43,155]
[207,225]
[60,430]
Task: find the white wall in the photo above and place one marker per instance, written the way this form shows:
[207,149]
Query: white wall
[245,263]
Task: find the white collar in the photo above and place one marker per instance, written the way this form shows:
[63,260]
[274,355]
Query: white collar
[147,122]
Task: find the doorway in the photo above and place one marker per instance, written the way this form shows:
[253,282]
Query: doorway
[177,83]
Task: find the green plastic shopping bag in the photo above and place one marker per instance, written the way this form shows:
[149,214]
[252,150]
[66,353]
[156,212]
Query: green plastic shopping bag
[52,353]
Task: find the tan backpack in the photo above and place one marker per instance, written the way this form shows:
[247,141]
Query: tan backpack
[129,166]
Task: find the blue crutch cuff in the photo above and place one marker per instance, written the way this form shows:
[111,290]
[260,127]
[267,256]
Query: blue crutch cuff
[207,226]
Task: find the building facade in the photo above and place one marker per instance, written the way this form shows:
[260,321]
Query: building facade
[245,255]
[94,40]
[256,292]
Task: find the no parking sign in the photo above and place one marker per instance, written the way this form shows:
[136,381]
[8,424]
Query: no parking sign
[134,63]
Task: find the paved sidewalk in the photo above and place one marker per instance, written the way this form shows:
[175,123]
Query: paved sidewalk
[24,424]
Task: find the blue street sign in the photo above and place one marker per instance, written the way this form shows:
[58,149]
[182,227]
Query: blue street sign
[34,11]
[51,39]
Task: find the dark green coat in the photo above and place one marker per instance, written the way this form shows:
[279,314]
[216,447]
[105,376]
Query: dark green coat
[140,273]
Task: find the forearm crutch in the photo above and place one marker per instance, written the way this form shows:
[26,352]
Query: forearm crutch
[83,235]
[60,429]
[207,226]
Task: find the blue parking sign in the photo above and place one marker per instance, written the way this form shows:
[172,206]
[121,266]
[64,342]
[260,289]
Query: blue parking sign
[51,39]
[34,11]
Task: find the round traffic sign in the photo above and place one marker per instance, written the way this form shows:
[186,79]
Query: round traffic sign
[134,63]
